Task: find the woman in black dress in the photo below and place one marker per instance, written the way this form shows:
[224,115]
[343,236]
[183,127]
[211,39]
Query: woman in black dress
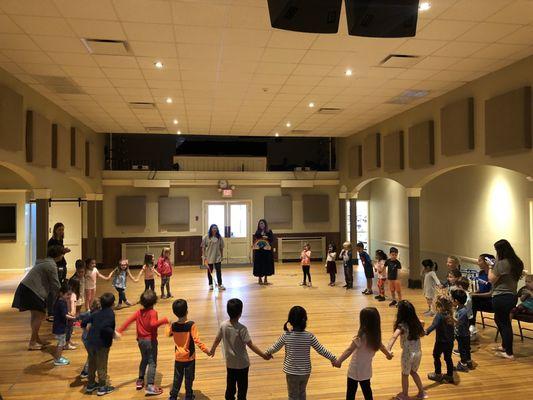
[58,234]
[263,257]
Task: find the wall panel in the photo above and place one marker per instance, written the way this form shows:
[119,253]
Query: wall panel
[422,145]
[393,152]
[457,127]
[11,120]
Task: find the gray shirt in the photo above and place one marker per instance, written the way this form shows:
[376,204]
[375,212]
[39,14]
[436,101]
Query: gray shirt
[213,249]
[42,279]
[506,283]
[235,336]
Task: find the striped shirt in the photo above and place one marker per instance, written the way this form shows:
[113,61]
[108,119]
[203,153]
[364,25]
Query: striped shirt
[298,351]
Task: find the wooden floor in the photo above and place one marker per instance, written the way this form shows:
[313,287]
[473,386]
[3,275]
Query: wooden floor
[333,315]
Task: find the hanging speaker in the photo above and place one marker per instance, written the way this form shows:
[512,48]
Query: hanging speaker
[382,18]
[313,16]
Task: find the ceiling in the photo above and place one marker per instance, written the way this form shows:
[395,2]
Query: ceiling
[228,72]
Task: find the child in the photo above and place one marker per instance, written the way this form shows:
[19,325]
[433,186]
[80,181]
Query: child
[60,325]
[91,275]
[95,306]
[431,282]
[347,263]
[451,282]
[331,265]
[149,272]
[164,267]
[367,266]
[363,347]
[381,270]
[74,290]
[305,258]
[101,327]
[185,334]
[120,276]
[393,265]
[409,328]
[443,325]
[464,284]
[236,337]
[462,333]
[526,298]
[80,275]
[147,322]
[298,343]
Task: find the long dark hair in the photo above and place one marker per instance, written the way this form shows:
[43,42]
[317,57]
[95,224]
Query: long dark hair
[297,318]
[148,259]
[380,255]
[57,225]
[370,327]
[209,234]
[429,263]
[74,285]
[504,251]
[266,225]
[444,306]
[407,315]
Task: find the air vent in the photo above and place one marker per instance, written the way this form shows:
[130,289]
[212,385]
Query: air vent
[106,46]
[141,105]
[300,131]
[399,61]
[329,110]
[155,129]
[408,96]
[59,84]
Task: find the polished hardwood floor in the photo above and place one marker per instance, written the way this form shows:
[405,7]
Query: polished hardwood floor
[333,318]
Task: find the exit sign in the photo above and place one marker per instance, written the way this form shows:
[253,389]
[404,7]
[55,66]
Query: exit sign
[227,193]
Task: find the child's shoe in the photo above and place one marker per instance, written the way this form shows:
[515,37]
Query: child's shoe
[310,284]
[61,361]
[393,303]
[503,354]
[84,374]
[448,379]
[128,303]
[163,296]
[103,390]
[152,390]
[221,287]
[70,346]
[139,384]
[462,367]
[382,298]
[91,387]
[211,287]
[422,395]
[470,365]
[365,291]
[35,346]
[303,284]
[169,296]
[432,376]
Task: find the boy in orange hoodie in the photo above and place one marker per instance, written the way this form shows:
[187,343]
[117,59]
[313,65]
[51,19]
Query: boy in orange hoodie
[185,334]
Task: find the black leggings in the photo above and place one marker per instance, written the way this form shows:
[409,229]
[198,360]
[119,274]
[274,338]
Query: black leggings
[307,274]
[446,350]
[121,295]
[502,305]
[218,269]
[149,284]
[165,283]
[332,277]
[351,389]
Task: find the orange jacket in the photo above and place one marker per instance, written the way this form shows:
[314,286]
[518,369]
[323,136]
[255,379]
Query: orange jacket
[185,337]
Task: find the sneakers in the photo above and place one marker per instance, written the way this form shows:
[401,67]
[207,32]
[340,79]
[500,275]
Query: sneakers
[310,284]
[503,354]
[432,376]
[393,303]
[211,287]
[169,296]
[422,395]
[470,364]
[70,346]
[152,390]
[379,297]
[456,352]
[35,346]
[103,390]
[84,374]
[448,379]
[128,303]
[303,284]
[163,296]
[367,292]
[61,361]
[139,384]
[221,287]
[345,286]
[91,387]
[462,367]
[429,313]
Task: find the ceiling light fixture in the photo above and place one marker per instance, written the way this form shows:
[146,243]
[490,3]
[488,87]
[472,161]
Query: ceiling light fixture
[348,72]
[178,132]
[311,104]
[288,124]
[276,134]
[169,100]
[158,64]
[175,122]
[424,6]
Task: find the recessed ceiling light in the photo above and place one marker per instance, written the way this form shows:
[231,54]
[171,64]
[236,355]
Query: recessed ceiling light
[276,134]
[178,132]
[529,178]
[169,100]
[175,122]
[424,6]
[311,104]
[158,64]
[348,72]
[288,124]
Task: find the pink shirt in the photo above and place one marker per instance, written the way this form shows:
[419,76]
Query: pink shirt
[90,278]
[148,272]
[306,257]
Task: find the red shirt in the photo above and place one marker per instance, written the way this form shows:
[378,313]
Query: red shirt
[164,267]
[147,323]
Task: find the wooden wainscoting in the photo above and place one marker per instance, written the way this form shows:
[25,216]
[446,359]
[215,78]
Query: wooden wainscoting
[331,237]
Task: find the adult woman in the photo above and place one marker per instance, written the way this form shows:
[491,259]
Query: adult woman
[504,276]
[34,289]
[482,298]
[263,257]
[58,234]
[212,253]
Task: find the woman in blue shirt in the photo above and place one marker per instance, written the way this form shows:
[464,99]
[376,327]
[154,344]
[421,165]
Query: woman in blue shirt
[482,298]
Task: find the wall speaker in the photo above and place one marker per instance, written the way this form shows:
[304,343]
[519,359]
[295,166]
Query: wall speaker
[382,18]
[313,16]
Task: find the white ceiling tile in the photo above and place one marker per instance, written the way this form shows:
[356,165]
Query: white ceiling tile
[123,73]
[472,64]
[416,74]
[72,59]
[133,84]
[28,57]
[488,32]
[43,69]
[189,13]
[44,8]
[153,49]
[245,37]
[291,40]
[12,68]
[84,72]
[93,29]
[320,57]
[524,35]
[270,78]
[17,42]
[444,29]
[275,68]
[93,9]
[248,17]
[198,34]
[282,55]
[198,51]
[518,12]
[60,43]
[164,75]
[459,49]
[499,50]
[148,32]
[238,53]
[92,82]
[474,10]
[148,62]
[8,26]
[451,76]
[43,25]
[115,61]
[155,11]
[436,63]
[420,47]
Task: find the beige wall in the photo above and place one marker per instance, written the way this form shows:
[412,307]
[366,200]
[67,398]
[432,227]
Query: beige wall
[197,195]
[14,253]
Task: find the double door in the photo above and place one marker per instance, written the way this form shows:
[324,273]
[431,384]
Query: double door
[233,221]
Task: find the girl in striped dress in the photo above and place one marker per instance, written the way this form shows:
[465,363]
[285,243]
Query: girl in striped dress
[298,342]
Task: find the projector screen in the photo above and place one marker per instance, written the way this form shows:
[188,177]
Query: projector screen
[8,221]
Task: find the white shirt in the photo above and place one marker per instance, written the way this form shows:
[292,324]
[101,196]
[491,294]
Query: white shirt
[360,368]
[331,256]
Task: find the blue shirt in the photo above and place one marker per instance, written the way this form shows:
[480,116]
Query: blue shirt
[119,280]
[484,286]
[462,326]
[444,331]
[102,329]
[59,326]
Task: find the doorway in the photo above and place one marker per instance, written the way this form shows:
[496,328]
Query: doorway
[233,219]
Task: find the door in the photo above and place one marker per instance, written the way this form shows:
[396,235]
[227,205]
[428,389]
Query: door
[69,213]
[233,221]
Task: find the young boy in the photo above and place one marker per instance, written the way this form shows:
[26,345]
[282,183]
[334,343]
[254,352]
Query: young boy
[236,337]
[60,325]
[462,333]
[451,282]
[147,322]
[95,306]
[526,298]
[347,263]
[393,265]
[185,334]
[101,326]
[367,267]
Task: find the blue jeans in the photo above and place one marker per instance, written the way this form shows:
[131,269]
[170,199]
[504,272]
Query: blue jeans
[183,370]
[148,350]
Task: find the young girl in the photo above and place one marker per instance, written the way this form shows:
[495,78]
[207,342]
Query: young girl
[74,292]
[147,322]
[80,276]
[381,272]
[305,257]
[149,272]
[298,343]
[331,265]
[363,347]
[164,267]
[347,263]
[120,276]
[431,282]
[443,325]
[91,275]
[409,328]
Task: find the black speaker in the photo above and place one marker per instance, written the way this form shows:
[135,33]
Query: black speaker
[313,16]
[382,18]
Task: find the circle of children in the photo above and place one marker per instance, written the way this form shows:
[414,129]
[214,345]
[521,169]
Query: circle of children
[451,303]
